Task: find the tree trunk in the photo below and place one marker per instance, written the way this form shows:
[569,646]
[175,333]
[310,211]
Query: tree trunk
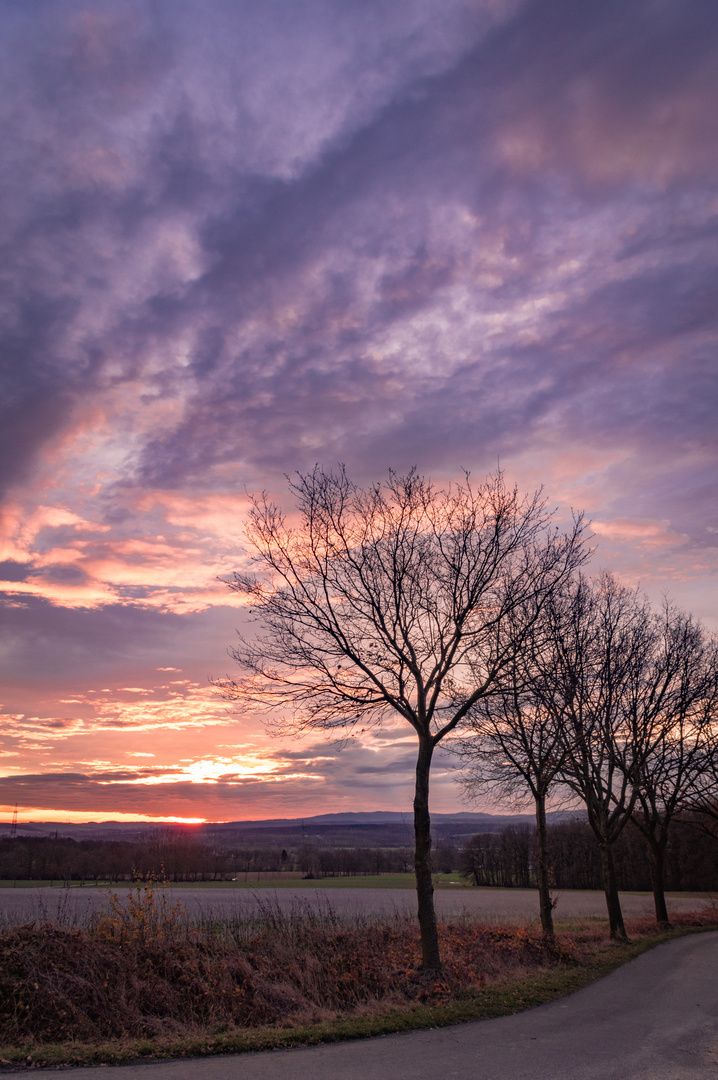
[430,958]
[544,891]
[657,881]
[608,875]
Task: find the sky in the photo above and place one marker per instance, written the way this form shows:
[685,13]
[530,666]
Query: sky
[242,238]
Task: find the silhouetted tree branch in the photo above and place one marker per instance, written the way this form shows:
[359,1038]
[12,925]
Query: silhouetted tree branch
[593,679]
[514,744]
[679,769]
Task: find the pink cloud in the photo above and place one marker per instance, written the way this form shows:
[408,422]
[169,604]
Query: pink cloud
[176,569]
[642,532]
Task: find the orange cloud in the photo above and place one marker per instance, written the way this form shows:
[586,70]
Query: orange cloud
[79,817]
[214,517]
[229,769]
[176,707]
[171,558]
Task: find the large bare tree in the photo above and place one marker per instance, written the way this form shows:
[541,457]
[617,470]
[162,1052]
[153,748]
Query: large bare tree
[400,599]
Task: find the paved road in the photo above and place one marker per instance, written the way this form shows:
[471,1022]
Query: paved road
[653,1019]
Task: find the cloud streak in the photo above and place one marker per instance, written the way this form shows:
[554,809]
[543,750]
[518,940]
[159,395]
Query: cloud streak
[239,239]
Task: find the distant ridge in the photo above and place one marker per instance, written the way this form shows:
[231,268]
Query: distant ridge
[379,817]
[367,827]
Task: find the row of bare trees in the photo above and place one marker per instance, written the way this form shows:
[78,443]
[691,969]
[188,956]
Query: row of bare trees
[463,609]
[615,703]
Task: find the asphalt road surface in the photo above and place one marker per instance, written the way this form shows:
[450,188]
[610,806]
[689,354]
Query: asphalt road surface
[656,1018]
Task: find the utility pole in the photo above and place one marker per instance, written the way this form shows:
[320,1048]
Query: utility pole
[13,827]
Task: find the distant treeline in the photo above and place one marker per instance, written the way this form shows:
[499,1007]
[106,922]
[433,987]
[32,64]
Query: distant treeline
[507,859]
[178,859]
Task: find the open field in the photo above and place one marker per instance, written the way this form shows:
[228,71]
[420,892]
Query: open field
[77,906]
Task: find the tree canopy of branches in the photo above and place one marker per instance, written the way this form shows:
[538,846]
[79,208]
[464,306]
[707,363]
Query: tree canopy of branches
[678,770]
[399,600]
[592,678]
[615,702]
[513,743]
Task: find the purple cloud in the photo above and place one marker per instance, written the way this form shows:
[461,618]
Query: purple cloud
[242,238]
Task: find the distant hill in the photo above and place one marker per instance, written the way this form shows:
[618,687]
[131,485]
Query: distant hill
[378,828]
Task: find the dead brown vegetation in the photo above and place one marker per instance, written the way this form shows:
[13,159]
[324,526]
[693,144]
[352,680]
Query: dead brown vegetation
[145,971]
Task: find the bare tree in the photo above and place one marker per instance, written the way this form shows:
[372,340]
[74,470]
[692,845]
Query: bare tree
[593,680]
[678,771]
[513,744]
[398,599]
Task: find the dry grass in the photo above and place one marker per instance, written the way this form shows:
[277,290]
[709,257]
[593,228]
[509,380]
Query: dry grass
[77,907]
[143,971]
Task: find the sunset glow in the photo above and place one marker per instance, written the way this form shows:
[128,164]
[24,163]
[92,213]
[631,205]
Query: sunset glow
[246,238]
